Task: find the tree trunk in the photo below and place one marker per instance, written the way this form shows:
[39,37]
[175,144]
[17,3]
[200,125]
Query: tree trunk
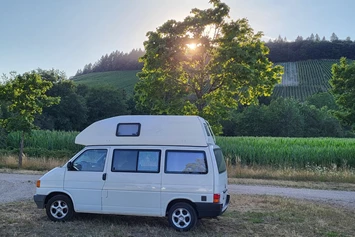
[21,150]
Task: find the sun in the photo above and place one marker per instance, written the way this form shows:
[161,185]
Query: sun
[192,46]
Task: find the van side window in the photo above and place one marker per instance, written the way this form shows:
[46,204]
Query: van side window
[193,162]
[128,129]
[221,164]
[91,160]
[134,160]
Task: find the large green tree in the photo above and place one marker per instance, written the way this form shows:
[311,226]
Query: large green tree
[70,114]
[322,99]
[284,117]
[343,84]
[204,65]
[25,97]
[103,102]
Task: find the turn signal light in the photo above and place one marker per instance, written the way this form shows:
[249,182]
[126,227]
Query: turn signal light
[38,183]
[216,198]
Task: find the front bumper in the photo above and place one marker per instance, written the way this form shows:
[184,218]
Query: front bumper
[39,200]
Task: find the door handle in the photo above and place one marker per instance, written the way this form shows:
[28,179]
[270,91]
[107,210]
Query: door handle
[104,176]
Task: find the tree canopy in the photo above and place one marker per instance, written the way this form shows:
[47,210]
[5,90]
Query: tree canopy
[343,84]
[25,97]
[284,117]
[204,65]
[104,103]
[79,105]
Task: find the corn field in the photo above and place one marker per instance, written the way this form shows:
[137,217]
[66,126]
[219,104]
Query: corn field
[289,152]
[260,151]
[44,143]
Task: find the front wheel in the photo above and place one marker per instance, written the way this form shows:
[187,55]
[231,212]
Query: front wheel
[182,216]
[60,208]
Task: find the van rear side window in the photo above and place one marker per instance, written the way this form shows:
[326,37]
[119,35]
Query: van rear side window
[193,162]
[221,164]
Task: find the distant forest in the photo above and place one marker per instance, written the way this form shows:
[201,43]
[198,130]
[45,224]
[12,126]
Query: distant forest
[281,50]
[115,61]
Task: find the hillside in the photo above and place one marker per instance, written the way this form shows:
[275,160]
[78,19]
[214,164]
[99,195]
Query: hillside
[300,80]
[119,79]
[304,78]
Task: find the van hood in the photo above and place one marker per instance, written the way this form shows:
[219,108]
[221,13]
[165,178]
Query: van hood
[53,178]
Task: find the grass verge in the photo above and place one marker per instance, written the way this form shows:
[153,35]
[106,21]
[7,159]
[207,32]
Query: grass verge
[247,216]
[314,174]
[294,184]
[28,163]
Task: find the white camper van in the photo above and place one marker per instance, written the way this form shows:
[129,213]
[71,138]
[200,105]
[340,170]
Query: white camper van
[140,165]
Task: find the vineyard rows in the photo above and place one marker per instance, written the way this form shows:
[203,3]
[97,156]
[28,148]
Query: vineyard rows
[305,78]
[289,77]
[300,79]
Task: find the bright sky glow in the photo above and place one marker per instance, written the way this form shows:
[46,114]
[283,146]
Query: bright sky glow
[191,46]
[68,34]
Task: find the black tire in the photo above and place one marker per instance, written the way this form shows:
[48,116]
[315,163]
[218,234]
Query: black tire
[182,216]
[60,208]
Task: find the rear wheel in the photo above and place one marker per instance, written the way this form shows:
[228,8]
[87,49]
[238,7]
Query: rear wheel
[182,216]
[60,208]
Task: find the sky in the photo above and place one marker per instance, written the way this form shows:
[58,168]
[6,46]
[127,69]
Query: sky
[67,34]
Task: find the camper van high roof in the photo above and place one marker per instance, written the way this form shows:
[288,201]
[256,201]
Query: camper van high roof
[158,130]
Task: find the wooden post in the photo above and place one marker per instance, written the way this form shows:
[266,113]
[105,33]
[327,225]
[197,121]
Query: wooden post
[21,150]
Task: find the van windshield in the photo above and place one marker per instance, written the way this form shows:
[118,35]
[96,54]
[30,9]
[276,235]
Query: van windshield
[221,164]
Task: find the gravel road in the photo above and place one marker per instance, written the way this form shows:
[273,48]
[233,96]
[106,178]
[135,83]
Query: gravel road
[17,187]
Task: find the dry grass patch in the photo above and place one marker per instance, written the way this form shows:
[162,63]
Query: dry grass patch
[247,216]
[31,163]
[294,184]
[17,171]
[317,174]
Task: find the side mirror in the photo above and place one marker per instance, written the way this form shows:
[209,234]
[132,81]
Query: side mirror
[70,166]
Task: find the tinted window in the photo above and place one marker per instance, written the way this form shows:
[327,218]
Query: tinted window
[186,162]
[128,129]
[91,160]
[124,160]
[221,164]
[136,161]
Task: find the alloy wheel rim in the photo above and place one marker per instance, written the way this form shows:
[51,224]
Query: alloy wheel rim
[59,209]
[181,218]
